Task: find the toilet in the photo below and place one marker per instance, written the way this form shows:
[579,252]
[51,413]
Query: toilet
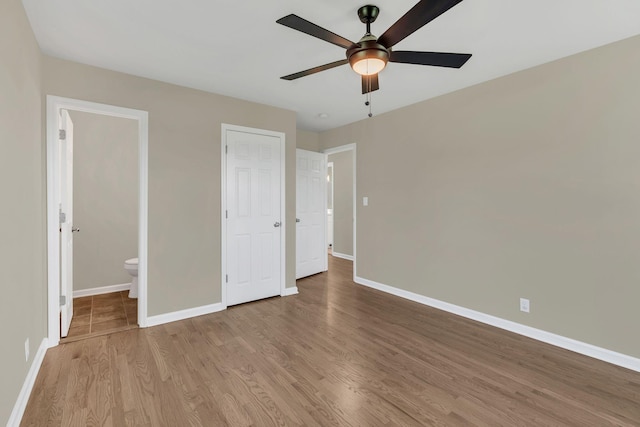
[131,265]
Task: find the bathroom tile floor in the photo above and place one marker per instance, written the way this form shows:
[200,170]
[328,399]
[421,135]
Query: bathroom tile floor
[102,314]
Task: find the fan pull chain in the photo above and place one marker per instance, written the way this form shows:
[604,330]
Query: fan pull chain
[367,101]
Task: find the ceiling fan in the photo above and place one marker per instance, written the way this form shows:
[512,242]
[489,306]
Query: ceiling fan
[370,54]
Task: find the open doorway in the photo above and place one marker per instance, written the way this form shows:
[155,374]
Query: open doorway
[341,217]
[107,214]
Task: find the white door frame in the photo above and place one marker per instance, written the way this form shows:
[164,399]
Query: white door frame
[330,165]
[54,105]
[223,207]
[340,149]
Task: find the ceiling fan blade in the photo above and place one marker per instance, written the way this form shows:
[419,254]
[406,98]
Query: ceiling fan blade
[300,24]
[437,59]
[315,70]
[419,15]
[370,83]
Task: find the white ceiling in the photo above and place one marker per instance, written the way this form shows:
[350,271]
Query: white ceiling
[235,48]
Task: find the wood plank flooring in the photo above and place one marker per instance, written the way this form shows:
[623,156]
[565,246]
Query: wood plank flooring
[337,354]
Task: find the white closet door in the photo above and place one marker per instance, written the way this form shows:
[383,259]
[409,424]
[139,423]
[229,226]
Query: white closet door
[254,221]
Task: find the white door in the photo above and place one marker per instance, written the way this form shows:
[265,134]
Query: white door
[66,221]
[311,219]
[254,221]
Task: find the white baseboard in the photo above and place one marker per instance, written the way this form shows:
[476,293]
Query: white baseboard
[590,350]
[290,291]
[343,256]
[198,311]
[184,314]
[27,386]
[101,290]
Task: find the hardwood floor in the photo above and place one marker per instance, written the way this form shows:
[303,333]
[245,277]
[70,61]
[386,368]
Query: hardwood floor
[102,314]
[336,354]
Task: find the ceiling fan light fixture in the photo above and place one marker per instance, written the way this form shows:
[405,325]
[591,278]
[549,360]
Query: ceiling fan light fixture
[368,66]
[368,57]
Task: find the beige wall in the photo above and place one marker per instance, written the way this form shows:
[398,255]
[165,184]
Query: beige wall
[308,140]
[342,202]
[105,198]
[22,239]
[184,174]
[525,186]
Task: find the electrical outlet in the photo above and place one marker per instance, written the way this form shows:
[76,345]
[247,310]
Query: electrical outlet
[26,350]
[524,305]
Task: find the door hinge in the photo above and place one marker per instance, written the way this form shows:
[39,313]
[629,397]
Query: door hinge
[63,217]
[226,278]
[226,149]
[63,300]
[62,134]
[226,214]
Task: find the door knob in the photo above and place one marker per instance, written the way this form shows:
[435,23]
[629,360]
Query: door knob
[276,224]
[75,229]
